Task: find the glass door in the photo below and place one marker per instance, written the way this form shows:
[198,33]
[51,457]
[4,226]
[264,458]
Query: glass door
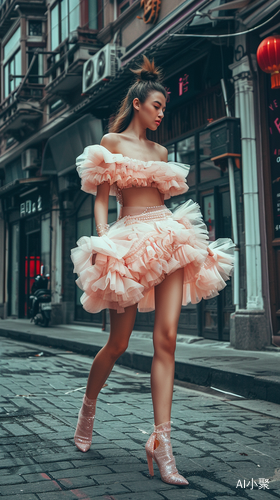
[217,216]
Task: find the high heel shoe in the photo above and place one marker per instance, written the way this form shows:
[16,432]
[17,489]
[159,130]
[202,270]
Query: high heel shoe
[158,448]
[83,433]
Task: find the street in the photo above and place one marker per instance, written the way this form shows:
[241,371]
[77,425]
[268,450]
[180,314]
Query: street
[226,446]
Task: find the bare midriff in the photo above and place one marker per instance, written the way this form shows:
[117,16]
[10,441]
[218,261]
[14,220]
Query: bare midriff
[142,197]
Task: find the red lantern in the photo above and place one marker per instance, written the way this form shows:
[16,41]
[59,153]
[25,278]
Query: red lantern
[268,56]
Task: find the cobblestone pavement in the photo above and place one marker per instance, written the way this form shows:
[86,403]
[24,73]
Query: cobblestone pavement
[225,446]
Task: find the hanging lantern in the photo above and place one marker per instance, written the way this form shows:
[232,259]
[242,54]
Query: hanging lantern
[268,56]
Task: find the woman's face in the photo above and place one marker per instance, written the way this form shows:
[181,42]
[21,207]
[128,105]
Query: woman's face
[151,112]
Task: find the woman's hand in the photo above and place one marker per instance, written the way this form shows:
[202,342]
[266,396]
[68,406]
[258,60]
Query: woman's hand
[210,252]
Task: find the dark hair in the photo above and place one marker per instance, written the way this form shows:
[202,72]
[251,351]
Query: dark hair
[148,80]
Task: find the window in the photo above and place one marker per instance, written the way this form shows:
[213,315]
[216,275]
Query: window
[186,154]
[35,28]
[13,67]
[37,68]
[12,63]
[123,5]
[65,17]
[208,171]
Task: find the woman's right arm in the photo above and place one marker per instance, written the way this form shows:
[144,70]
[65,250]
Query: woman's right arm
[101,210]
[102,196]
[101,207]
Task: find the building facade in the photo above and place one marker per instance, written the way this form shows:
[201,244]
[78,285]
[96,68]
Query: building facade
[65,66]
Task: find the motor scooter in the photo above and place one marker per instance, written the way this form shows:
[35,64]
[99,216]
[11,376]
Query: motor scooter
[40,301]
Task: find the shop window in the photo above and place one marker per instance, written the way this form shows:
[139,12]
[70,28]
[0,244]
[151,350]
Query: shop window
[65,17]
[35,28]
[208,171]
[186,154]
[171,153]
[209,215]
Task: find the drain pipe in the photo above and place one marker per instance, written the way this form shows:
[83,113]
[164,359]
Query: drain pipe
[233,214]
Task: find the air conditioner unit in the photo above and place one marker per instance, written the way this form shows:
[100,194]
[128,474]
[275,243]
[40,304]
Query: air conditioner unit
[29,159]
[104,64]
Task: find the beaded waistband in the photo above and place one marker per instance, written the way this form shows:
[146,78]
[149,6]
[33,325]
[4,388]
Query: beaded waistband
[133,214]
[131,211]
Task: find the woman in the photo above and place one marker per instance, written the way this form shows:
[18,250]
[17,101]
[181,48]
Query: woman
[149,258]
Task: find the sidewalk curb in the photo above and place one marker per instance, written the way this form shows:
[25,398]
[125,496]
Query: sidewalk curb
[245,385]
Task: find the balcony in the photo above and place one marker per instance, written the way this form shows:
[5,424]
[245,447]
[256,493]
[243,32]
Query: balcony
[8,12]
[65,69]
[19,118]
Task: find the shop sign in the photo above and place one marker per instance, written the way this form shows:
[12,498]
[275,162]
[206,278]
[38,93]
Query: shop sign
[181,87]
[30,207]
[274,140]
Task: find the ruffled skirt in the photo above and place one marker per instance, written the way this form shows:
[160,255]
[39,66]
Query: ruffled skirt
[144,246]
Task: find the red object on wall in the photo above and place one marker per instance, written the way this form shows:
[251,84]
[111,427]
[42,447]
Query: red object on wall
[268,56]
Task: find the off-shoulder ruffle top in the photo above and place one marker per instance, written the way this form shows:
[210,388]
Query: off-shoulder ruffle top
[97,165]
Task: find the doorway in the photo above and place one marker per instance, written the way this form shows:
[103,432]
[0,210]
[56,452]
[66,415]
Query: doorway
[31,245]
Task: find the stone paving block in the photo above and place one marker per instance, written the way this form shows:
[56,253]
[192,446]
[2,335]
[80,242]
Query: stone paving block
[89,471]
[28,496]
[226,498]
[193,452]
[210,463]
[109,434]
[13,462]
[77,482]
[149,495]
[75,454]
[121,477]
[145,485]
[208,486]
[182,493]
[130,445]
[10,479]
[42,486]
[16,429]
[66,495]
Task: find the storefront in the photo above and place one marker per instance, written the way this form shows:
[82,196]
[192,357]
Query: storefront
[27,212]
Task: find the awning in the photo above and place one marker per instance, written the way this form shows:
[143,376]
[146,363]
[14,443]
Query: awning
[17,185]
[63,148]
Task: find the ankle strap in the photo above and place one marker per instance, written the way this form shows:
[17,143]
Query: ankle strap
[89,402]
[165,426]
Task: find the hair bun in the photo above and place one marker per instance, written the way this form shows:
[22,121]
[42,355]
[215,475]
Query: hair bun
[148,76]
[147,72]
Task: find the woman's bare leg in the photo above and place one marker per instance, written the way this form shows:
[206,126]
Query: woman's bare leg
[120,330]
[168,302]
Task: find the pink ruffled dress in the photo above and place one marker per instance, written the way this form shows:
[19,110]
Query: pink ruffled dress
[146,244]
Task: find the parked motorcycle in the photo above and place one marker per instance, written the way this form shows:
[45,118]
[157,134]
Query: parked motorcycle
[40,301]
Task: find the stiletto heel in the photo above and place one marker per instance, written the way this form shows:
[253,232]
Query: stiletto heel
[158,447]
[83,433]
